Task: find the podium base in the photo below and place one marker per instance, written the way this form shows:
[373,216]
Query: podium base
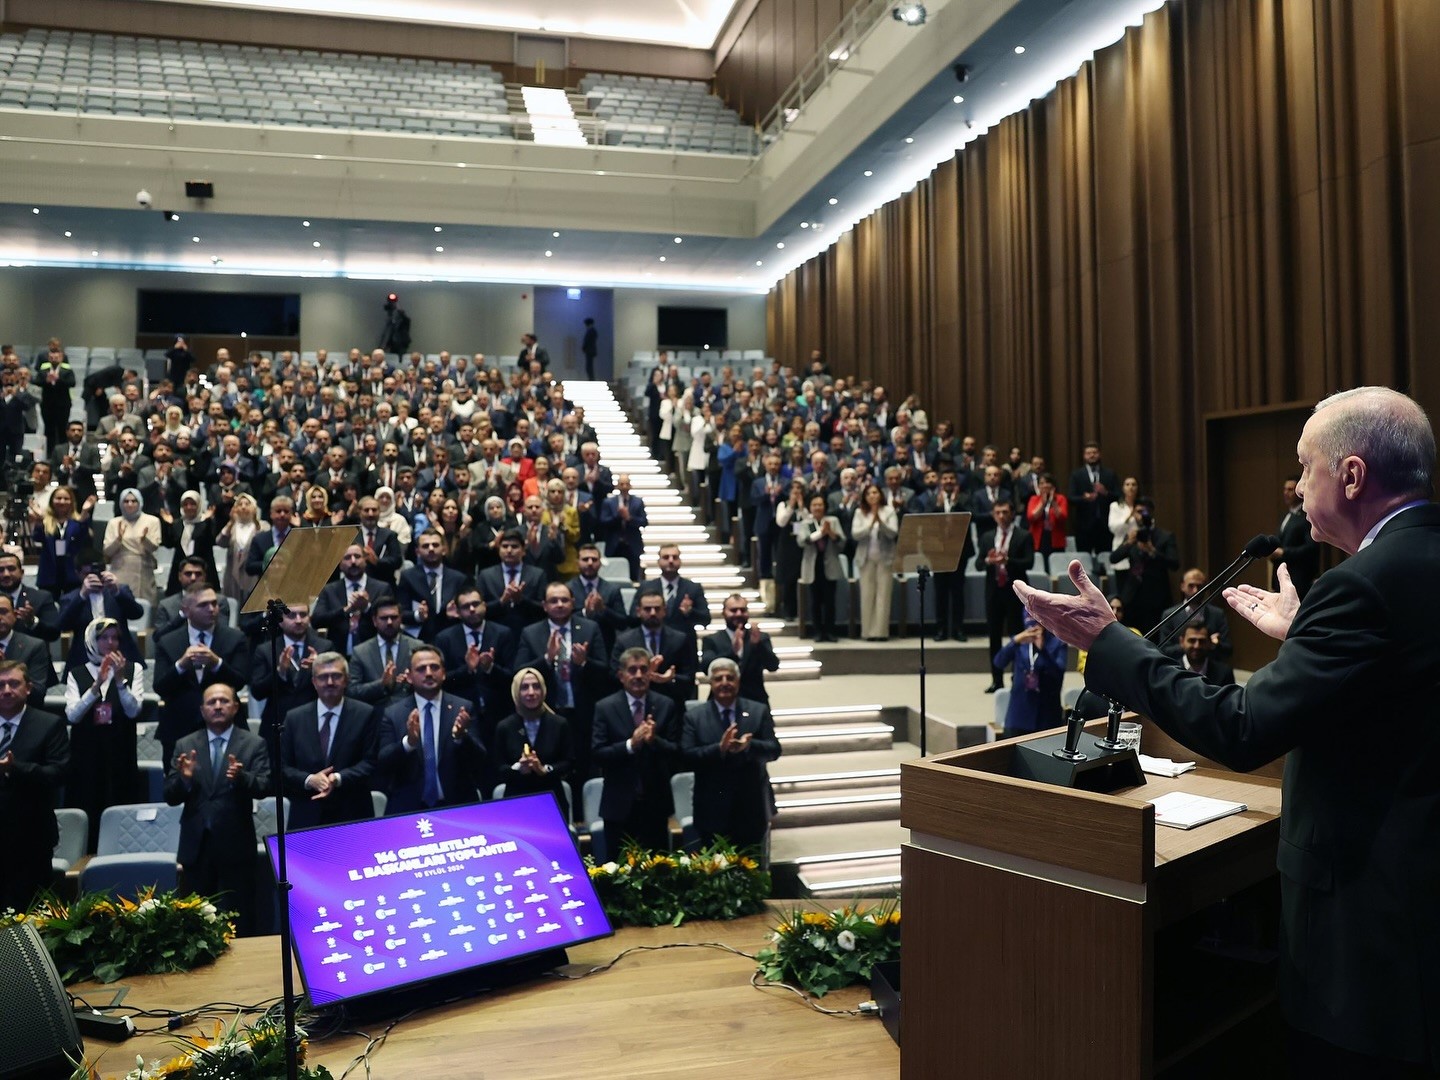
[1100,769]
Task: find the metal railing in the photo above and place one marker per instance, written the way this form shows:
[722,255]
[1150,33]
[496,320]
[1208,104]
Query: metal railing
[832,55]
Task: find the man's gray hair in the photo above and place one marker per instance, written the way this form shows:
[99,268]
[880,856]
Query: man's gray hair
[332,659]
[722,663]
[1383,428]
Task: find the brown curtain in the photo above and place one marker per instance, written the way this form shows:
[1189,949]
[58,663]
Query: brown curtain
[1235,206]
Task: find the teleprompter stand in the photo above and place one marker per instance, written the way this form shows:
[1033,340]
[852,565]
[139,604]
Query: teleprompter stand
[297,571]
[929,544]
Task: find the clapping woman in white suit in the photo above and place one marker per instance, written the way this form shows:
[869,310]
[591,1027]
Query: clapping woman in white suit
[874,530]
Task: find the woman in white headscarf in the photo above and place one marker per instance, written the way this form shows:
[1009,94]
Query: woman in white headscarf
[103,698]
[131,541]
[389,518]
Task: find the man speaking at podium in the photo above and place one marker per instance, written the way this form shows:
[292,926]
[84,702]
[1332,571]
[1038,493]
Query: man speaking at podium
[1351,698]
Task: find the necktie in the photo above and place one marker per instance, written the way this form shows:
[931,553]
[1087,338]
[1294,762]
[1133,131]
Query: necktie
[510,575]
[370,540]
[431,794]
[325,736]
[639,712]
[389,653]
[475,634]
[2,650]
[435,589]
[299,654]
[654,643]
[725,717]
[7,735]
[217,757]
[669,593]
[1002,572]
[739,642]
[200,637]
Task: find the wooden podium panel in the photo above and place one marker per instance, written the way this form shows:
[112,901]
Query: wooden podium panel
[1052,922]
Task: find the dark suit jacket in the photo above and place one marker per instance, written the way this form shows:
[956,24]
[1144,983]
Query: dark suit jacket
[699,609]
[180,690]
[676,649]
[622,536]
[1302,553]
[388,556]
[460,765]
[1019,556]
[222,808]
[732,790]
[354,745]
[329,612]
[552,746]
[27,796]
[35,655]
[367,666]
[1147,594]
[263,542]
[203,539]
[415,587]
[754,662]
[1359,868]
[525,610]
[643,774]
[611,616]
[489,691]
[1093,515]
[45,624]
[589,683]
[290,688]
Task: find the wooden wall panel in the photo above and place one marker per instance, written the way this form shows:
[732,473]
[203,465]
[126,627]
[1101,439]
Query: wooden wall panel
[1230,208]
[778,40]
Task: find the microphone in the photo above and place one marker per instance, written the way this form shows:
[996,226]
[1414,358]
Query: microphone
[1257,547]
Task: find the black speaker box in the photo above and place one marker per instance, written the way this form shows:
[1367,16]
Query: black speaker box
[38,1036]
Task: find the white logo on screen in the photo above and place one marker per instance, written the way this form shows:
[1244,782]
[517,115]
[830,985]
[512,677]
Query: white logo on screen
[426,829]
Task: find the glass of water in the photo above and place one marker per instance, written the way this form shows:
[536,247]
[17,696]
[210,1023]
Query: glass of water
[1129,737]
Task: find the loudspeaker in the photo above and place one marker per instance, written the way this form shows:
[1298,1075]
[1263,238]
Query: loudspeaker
[39,1029]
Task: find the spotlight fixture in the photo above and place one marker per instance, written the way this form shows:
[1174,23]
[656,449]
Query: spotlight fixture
[1019,50]
[780,244]
[833,201]
[909,14]
[804,224]
[679,240]
[169,215]
[549,254]
[35,209]
[315,243]
[439,247]
[439,228]
[194,239]
[556,235]
[67,234]
[869,172]
[958,99]
[305,224]
[662,258]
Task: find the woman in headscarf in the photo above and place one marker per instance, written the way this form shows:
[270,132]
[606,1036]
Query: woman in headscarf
[485,532]
[391,520]
[235,537]
[131,541]
[103,696]
[191,535]
[61,534]
[532,744]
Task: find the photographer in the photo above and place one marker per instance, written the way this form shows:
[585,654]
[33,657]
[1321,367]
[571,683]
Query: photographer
[1144,589]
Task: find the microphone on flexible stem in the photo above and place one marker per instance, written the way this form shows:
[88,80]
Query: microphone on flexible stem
[1257,548]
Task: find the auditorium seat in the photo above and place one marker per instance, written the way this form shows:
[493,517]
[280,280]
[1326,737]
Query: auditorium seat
[74,834]
[136,849]
[682,792]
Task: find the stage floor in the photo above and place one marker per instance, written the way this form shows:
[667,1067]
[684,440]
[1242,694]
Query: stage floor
[675,1012]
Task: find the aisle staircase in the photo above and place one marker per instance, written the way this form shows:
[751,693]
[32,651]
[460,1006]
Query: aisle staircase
[837,784]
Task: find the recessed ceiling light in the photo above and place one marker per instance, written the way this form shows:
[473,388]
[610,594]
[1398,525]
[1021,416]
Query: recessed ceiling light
[35,209]
[679,240]
[96,254]
[781,245]
[324,262]
[869,173]
[908,141]
[67,233]
[306,224]
[549,254]
[439,229]
[460,164]
[194,239]
[601,172]
[662,258]
[216,260]
[834,201]
[1019,49]
[315,243]
[556,235]
[804,224]
[958,99]
[759,262]
[439,248]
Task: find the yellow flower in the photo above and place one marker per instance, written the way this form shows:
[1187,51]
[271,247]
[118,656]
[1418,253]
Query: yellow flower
[748,863]
[816,918]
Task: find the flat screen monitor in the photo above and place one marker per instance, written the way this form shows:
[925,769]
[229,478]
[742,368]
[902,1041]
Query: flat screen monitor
[396,901]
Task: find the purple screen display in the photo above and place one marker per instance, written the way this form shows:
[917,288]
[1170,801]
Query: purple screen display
[398,900]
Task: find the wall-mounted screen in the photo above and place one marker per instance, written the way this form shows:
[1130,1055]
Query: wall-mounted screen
[396,901]
[165,311]
[692,328]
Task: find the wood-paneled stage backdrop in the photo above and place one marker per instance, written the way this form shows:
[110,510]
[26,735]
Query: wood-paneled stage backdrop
[1235,207]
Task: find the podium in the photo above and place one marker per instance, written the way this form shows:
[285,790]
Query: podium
[1053,932]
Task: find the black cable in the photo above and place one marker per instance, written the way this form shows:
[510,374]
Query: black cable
[653,948]
[859,1010]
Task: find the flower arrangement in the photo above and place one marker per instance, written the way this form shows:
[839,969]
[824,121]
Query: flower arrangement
[103,938]
[650,888]
[236,1052]
[820,951]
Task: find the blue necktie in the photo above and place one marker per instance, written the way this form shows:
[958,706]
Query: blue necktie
[431,795]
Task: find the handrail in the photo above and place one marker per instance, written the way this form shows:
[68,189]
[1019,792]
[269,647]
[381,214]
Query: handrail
[834,51]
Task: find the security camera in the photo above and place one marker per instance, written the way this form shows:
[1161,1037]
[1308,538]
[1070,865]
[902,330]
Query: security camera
[142,199]
[961,73]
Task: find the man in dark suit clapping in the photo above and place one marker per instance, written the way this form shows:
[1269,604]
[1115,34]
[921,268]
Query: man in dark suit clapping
[429,749]
[328,751]
[1006,554]
[636,744]
[747,645]
[479,657]
[195,655]
[728,741]
[216,774]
